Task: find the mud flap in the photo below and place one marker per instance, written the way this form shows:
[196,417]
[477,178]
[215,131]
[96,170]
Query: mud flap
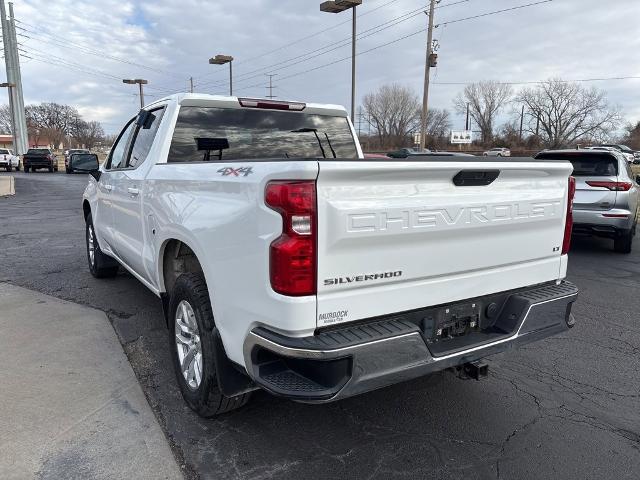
[231,380]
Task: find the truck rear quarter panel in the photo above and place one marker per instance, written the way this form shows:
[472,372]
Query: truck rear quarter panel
[222,217]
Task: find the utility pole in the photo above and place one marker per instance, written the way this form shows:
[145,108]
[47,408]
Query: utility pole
[521,121]
[271,87]
[191,84]
[12,63]
[466,122]
[21,134]
[427,68]
[353,63]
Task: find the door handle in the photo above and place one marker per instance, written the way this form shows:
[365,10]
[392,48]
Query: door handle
[133,191]
[107,187]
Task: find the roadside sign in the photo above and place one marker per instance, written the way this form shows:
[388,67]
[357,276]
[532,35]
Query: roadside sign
[461,136]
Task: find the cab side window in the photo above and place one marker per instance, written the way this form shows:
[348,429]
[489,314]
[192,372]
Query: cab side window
[119,151]
[146,132]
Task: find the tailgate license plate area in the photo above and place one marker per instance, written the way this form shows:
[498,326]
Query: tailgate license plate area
[451,322]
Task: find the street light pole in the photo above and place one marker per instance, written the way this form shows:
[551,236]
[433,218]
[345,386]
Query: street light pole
[221,60]
[427,67]
[140,82]
[337,6]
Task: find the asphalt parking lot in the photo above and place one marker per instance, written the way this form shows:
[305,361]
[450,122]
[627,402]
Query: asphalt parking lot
[567,407]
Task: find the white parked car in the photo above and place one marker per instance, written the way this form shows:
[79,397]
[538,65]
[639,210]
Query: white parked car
[497,152]
[8,160]
[286,261]
[623,149]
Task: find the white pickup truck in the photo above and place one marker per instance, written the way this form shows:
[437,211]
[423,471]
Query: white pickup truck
[8,160]
[286,261]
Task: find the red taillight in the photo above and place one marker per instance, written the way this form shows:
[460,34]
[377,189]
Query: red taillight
[293,255]
[568,224]
[616,186]
[270,104]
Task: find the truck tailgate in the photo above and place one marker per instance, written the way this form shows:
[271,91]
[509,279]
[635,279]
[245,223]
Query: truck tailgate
[400,235]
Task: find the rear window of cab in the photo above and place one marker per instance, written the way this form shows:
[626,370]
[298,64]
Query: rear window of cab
[222,134]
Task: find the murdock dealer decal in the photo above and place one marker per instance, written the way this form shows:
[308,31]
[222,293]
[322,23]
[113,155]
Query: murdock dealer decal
[333,317]
[361,278]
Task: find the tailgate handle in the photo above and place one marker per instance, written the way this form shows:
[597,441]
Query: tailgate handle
[474,178]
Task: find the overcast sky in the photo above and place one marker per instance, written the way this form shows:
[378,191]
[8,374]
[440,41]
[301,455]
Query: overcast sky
[89,47]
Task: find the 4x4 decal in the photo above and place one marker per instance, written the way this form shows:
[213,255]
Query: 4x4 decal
[244,171]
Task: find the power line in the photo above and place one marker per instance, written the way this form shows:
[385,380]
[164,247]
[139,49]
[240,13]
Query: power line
[302,39]
[533,82]
[271,87]
[336,45]
[63,42]
[495,12]
[47,55]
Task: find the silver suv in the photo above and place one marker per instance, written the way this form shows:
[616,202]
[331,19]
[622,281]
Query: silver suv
[606,199]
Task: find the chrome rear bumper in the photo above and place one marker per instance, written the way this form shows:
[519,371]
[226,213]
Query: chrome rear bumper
[345,362]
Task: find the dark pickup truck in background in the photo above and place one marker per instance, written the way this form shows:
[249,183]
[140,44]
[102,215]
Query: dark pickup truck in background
[39,158]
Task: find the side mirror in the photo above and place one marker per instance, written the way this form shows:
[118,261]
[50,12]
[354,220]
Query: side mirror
[145,119]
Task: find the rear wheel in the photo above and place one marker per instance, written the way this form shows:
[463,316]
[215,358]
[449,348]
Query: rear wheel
[192,342]
[100,265]
[624,243]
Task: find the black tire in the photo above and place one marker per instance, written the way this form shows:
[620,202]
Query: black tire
[206,399]
[102,266]
[18,168]
[623,243]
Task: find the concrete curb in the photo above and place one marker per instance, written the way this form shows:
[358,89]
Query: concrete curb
[7,186]
[71,404]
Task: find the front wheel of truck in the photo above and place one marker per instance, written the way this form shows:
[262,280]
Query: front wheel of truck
[100,265]
[192,333]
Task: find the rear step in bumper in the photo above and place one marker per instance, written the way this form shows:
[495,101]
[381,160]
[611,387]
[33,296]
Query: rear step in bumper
[355,359]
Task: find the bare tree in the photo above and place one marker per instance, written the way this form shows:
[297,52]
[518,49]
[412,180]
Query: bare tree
[51,119]
[86,134]
[5,119]
[632,136]
[565,112]
[393,112]
[438,127]
[438,122]
[509,134]
[485,100]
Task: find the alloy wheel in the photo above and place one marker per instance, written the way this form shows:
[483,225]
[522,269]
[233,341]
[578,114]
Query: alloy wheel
[188,344]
